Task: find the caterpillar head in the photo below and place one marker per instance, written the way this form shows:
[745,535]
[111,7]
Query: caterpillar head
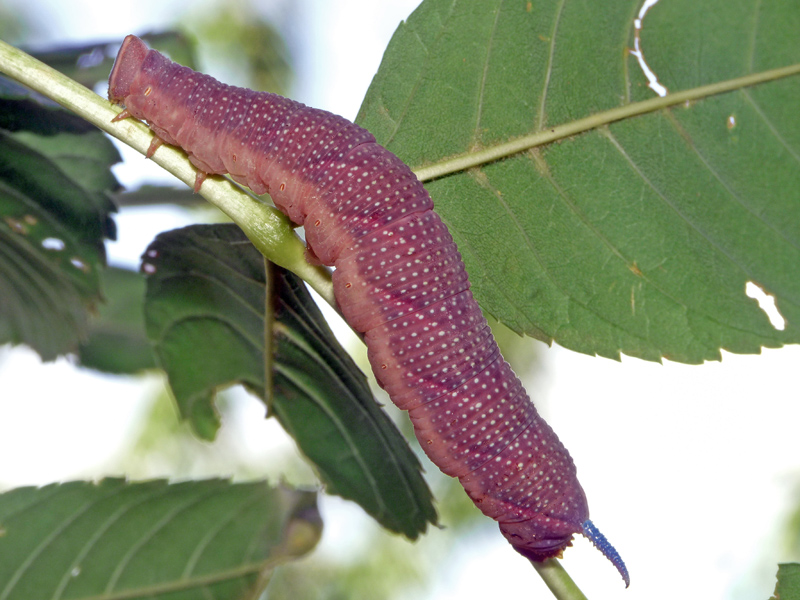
[126,67]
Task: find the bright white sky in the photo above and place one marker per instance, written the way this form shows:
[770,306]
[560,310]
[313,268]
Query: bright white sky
[690,471]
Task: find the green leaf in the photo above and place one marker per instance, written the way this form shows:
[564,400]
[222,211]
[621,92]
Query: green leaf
[640,235]
[117,340]
[788,586]
[242,41]
[115,539]
[149,195]
[372,461]
[205,311]
[55,212]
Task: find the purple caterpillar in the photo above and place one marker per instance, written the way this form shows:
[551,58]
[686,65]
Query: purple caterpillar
[398,279]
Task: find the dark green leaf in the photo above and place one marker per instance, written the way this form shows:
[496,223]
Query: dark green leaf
[55,212]
[374,460]
[637,237]
[205,314]
[117,339]
[114,539]
[788,586]
[147,195]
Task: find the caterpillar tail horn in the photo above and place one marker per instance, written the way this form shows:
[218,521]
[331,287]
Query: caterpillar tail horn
[600,542]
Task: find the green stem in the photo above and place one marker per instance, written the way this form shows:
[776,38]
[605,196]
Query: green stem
[635,109]
[269,229]
[558,580]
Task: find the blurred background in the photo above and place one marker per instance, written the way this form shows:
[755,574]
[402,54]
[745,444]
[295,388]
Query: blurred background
[693,472]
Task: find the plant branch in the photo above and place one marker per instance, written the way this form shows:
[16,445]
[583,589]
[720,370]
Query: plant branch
[635,109]
[269,229]
[558,580]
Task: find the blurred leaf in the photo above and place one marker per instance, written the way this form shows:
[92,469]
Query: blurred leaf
[114,539]
[247,42]
[12,23]
[637,237]
[204,310]
[788,587]
[55,212]
[147,195]
[174,44]
[90,64]
[205,314]
[117,340]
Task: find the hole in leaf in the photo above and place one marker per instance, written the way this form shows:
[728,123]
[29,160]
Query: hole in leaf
[766,302]
[52,243]
[79,264]
[638,23]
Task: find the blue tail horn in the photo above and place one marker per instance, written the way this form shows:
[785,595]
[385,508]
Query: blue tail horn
[600,542]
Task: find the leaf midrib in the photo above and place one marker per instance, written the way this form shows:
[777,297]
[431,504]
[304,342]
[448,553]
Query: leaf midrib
[492,153]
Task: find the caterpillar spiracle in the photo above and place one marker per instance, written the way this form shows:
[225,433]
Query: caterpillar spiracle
[399,279]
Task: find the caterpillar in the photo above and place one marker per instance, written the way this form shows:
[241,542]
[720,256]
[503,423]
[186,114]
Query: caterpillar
[398,278]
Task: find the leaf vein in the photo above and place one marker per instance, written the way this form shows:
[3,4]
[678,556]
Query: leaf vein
[289,374]
[149,534]
[541,118]
[734,196]
[97,535]
[191,562]
[646,180]
[485,75]
[768,122]
[49,539]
